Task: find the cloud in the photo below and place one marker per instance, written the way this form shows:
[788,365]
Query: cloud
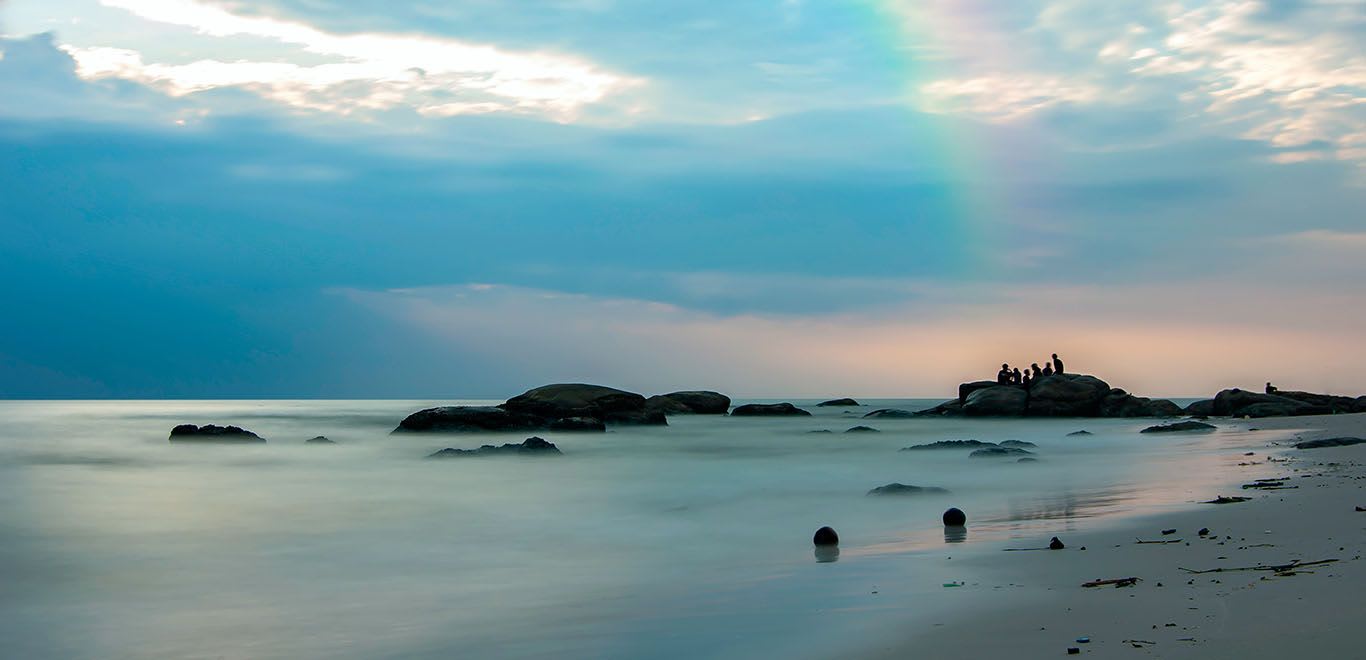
[362,72]
[1006,97]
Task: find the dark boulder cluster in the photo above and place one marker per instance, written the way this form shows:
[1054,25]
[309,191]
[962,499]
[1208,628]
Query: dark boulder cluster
[213,433]
[1329,442]
[769,410]
[1242,403]
[1058,395]
[566,407]
[1178,427]
[528,447]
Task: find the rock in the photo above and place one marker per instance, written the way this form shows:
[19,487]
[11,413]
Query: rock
[997,452]
[769,410]
[1179,426]
[1020,444]
[951,444]
[577,425]
[1067,395]
[530,446]
[696,402]
[1236,403]
[996,401]
[319,440]
[966,389]
[635,418]
[1333,403]
[952,408]
[1119,403]
[1028,459]
[1081,432]
[469,419]
[905,489]
[862,429]
[1203,408]
[955,517]
[1055,544]
[838,403]
[213,433]
[890,413]
[826,536]
[821,431]
[1329,442]
[1204,531]
[1359,405]
[574,400]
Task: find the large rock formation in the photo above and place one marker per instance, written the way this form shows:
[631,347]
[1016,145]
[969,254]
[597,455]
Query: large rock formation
[469,419]
[1119,403]
[699,402]
[838,403]
[996,401]
[1242,403]
[1067,395]
[1334,404]
[560,407]
[574,400]
[966,389]
[213,433]
[769,410]
[1202,408]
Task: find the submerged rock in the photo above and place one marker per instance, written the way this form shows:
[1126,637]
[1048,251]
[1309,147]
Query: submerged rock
[1081,432]
[769,410]
[1329,442]
[906,489]
[890,413]
[1175,427]
[213,433]
[1028,459]
[951,444]
[999,452]
[469,419]
[838,403]
[694,402]
[1020,444]
[530,446]
[863,429]
[319,440]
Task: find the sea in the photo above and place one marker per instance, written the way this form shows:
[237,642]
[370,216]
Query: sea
[691,540]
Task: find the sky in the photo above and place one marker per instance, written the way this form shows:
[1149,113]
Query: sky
[786,198]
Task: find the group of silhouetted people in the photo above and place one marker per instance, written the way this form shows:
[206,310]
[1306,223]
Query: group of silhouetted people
[1008,376]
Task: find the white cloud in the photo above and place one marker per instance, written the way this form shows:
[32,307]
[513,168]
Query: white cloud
[1007,96]
[366,72]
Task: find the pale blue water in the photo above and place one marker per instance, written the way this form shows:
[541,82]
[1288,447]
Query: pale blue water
[686,541]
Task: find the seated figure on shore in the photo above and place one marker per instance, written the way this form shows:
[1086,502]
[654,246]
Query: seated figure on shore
[1270,389]
[1057,364]
[1047,369]
[1035,368]
[1027,380]
[1015,376]
[1003,376]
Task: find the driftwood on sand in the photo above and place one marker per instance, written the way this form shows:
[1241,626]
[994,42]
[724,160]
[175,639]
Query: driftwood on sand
[1118,582]
[1275,568]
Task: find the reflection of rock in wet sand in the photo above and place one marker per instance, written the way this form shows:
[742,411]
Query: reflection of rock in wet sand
[955,534]
[827,553]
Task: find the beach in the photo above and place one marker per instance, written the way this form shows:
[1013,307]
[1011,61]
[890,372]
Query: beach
[1032,604]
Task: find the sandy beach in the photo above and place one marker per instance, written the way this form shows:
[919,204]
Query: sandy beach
[1032,605]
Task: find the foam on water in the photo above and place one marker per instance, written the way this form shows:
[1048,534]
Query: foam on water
[660,542]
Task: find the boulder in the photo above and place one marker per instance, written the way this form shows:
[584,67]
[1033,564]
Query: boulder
[966,389]
[1202,408]
[1028,459]
[696,402]
[577,425]
[863,429]
[213,433]
[1329,442]
[469,419]
[635,418]
[906,489]
[1081,432]
[319,440]
[1359,405]
[769,410]
[1067,395]
[999,452]
[1019,444]
[1177,427]
[890,413]
[954,517]
[951,408]
[574,400]
[1280,409]
[825,536]
[951,444]
[1235,403]
[996,401]
[528,447]
[838,403]
[1119,403]
[1333,403]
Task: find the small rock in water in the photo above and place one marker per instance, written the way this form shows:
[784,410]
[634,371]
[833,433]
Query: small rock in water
[955,517]
[1361,508]
[1204,531]
[1028,459]
[1081,432]
[995,452]
[905,489]
[1178,427]
[826,536]
[1018,444]
[863,429]
[1055,544]
[320,440]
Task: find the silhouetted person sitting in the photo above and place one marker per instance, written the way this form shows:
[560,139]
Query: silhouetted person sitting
[1003,376]
[1027,380]
[1015,376]
[1047,369]
[1035,368]
[1270,389]
[1057,364]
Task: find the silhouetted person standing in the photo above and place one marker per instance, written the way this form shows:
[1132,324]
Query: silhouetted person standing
[1047,369]
[1035,368]
[1003,376]
[1057,364]
[1015,376]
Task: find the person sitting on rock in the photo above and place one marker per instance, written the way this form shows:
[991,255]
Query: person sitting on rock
[1048,369]
[1026,380]
[1015,376]
[1003,376]
[1270,389]
[1057,364]
[1035,368]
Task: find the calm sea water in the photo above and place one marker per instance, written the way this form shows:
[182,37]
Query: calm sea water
[689,540]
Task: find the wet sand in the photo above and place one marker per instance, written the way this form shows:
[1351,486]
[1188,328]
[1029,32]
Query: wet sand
[1032,604]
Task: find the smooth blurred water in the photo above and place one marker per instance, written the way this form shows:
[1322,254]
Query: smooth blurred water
[689,540]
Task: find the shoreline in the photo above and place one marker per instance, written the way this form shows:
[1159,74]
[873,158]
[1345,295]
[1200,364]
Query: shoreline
[1031,604]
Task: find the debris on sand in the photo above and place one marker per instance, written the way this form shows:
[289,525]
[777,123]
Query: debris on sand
[1227,500]
[1118,582]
